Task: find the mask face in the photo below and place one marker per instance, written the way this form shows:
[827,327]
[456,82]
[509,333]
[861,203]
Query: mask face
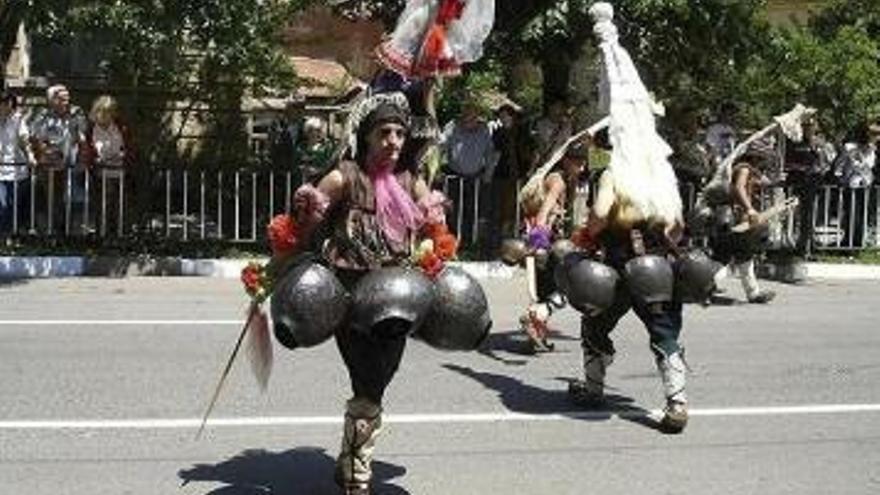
[385,141]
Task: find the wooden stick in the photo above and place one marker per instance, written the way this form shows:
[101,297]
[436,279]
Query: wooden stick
[251,313]
[532,278]
[767,214]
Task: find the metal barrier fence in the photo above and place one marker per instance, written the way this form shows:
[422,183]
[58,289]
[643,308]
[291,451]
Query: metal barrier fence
[845,219]
[235,205]
[57,201]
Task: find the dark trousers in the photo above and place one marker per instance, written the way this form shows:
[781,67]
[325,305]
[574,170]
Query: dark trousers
[662,321]
[545,279]
[12,198]
[859,214]
[371,359]
[60,190]
[498,208]
[464,192]
[805,187]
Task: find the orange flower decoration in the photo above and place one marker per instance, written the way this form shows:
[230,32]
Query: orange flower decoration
[282,233]
[431,264]
[445,246]
[252,278]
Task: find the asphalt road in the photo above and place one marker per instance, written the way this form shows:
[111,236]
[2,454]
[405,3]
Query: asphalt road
[103,382]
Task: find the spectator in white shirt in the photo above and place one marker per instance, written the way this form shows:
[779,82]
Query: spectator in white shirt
[854,169]
[15,162]
[855,165]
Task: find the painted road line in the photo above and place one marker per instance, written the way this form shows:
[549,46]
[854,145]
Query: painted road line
[10,323]
[495,417]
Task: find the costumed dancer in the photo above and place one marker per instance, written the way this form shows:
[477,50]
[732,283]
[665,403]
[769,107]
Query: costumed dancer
[635,222]
[547,203]
[737,251]
[437,37]
[728,206]
[420,150]
[432,39]
[382,234]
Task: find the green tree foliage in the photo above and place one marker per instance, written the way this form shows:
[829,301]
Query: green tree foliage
[208,54]
[695,54]
[860,14]
[848,90]
[832,63]
[178,41]
[473,87]
[840,75]
[689,52]
[11,14]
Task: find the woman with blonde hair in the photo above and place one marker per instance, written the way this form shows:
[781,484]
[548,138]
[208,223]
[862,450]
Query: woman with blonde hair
[109,153]
[108,143]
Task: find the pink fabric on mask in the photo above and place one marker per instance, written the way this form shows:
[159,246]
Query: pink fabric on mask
[396,212]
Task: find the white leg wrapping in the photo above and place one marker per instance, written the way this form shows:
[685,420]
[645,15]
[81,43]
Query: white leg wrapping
[746,273]
[591,391]
[721,274]
[595,366]
[673,372]
[362,426]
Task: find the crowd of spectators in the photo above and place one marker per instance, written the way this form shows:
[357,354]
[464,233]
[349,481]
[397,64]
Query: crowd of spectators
[61,139]
[491,155]
[486,154]
[805,168]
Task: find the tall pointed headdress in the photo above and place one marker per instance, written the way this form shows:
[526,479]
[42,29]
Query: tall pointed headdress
[641,172]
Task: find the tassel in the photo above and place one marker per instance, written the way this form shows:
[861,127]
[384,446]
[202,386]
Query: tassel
[433,49]
[260,345]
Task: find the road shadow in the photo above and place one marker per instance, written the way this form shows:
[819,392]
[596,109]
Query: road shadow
[721,300]
[300,471]
[519,397]
[12,282]
[515,342]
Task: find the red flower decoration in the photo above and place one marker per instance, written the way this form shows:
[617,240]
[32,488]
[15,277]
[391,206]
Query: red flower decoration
[445,246]
[581,238]
[433,231]
[282,232]
[431,264]
[252,278]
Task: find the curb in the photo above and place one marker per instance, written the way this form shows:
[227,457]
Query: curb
[15,267]
[843,272]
